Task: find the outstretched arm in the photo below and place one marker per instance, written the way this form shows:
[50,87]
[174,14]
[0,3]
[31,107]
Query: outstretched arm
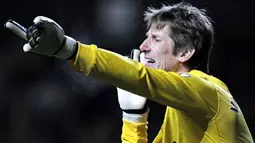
[168,88]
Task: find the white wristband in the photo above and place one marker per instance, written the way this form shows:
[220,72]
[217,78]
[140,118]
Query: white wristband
[138,118]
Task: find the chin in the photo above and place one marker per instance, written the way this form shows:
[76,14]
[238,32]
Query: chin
[150,65]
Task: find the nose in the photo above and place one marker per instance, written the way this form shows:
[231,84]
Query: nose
[144,47]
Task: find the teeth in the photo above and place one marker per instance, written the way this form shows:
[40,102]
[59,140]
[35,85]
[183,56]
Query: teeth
[151,61]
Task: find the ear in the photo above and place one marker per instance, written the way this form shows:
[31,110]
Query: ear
[185,54]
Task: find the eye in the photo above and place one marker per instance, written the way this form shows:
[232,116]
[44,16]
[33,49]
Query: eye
[156,39]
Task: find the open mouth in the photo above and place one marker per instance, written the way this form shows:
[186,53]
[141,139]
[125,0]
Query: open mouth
[150,60]
[145,59]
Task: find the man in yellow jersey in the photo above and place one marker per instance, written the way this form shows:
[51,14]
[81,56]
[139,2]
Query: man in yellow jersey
[200,107]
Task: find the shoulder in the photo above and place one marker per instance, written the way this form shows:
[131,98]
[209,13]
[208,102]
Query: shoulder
[210,78]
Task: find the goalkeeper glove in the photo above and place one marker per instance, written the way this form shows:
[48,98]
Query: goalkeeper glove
[45,37]
[134,107]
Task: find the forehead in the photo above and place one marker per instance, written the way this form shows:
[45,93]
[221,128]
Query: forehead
[159,29]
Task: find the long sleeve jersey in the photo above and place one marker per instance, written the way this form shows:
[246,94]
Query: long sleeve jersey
[200,107]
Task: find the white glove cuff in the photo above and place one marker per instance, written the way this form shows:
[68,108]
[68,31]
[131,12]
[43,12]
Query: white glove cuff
[138,118]
[68,49]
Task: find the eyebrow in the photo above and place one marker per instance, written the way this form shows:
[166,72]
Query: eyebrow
[153,35]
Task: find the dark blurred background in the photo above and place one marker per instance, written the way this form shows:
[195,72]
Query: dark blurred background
[42,101]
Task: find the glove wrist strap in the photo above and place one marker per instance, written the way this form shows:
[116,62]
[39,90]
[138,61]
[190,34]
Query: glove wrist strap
[138,118]
[68,49]
[137,111]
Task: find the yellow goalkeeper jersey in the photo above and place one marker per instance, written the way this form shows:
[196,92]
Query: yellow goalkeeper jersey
[200,107]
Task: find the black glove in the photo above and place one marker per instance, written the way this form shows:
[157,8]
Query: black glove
[45,37]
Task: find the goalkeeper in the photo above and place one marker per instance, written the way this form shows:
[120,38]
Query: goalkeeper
[173,72]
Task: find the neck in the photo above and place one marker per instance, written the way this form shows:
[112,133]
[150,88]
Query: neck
[183,68]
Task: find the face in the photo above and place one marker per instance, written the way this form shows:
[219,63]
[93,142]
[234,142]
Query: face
[157,49]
